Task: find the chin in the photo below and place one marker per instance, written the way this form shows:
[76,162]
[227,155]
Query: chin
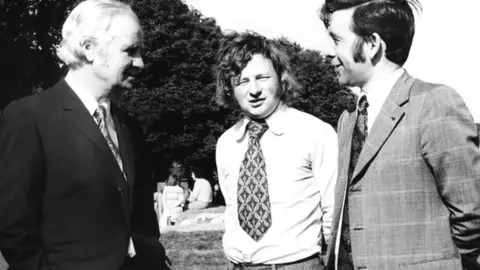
[342,81]
[255,115]
[125,86]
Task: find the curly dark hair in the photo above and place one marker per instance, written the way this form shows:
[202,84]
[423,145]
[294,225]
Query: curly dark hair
[235,52]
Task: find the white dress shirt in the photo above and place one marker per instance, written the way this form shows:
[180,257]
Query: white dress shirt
[92,104]
[377,93]
[301,154]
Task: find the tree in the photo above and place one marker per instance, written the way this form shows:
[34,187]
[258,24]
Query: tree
[29,31]
[322,96]
[174,99]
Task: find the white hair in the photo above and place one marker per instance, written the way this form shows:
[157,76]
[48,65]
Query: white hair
[91,19]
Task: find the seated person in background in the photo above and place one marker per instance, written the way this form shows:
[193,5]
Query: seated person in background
[158,203]
[218,198]
[201,196]
[173,200]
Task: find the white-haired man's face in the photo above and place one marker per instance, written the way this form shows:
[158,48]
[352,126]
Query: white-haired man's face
[118,60]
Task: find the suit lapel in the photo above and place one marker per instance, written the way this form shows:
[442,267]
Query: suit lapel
[346,124]
[81,118]
[346,146]
[388,118]
[77,113]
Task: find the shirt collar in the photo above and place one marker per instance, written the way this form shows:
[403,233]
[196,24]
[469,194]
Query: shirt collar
[87,99]
[276,122]
[378,92]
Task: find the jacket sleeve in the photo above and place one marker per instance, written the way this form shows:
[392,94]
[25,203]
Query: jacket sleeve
[449,143]
[150,253]
[144,217]
[21,188]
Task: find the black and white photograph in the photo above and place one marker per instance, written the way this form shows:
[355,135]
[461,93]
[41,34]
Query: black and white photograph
[239,135]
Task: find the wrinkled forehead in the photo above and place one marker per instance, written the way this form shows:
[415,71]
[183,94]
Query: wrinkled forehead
[126,28]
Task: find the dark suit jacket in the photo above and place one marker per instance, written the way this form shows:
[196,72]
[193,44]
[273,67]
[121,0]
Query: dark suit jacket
[414,197]
[64,203]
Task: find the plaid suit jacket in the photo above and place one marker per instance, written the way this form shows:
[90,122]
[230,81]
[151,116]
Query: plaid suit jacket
[414,198]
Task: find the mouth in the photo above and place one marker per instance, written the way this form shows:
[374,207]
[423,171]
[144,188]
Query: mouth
[256,102]
[132,72]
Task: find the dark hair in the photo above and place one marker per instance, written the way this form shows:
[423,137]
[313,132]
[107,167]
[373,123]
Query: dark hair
[200,171]
[177,168]
[392,20]
[235,52]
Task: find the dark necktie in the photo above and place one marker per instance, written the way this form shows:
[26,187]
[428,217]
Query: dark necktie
[360,133]
[252,195]
[100,117]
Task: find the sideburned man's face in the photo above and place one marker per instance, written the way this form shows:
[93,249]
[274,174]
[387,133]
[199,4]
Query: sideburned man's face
[345,48]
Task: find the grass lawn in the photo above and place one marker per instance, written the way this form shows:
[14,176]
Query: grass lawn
[200,250]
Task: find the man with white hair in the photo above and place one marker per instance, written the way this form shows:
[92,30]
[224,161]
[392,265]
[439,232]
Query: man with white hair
[75,189]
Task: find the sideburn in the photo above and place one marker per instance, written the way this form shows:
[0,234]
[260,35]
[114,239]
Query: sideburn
[357,51]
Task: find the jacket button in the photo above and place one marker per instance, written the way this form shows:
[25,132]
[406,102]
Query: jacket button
[121,191]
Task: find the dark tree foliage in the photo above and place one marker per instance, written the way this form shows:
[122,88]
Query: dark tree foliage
[175,97]
[29,29]
[321,96]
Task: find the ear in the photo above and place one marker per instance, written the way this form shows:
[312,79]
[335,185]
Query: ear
[88,45]
[373,46]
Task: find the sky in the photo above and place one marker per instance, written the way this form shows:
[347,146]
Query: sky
[446,47]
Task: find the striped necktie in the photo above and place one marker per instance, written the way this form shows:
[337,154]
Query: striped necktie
[100,116]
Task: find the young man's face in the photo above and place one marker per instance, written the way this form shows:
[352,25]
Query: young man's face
[117,59]
[344,48]
[256,90]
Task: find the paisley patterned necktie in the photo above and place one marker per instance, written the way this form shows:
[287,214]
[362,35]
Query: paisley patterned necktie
[252,195]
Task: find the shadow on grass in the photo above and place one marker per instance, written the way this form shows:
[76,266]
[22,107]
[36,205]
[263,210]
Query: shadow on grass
[199,250]
[195,250]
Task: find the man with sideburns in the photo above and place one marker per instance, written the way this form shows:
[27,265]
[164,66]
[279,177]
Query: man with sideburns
[408,193]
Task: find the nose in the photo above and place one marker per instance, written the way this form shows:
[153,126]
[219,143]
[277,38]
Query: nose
[329,49]
[255,89]
[138,62]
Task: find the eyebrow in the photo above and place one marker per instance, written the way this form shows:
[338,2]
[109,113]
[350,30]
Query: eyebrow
[133,46]
[333,35]
[257,75]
